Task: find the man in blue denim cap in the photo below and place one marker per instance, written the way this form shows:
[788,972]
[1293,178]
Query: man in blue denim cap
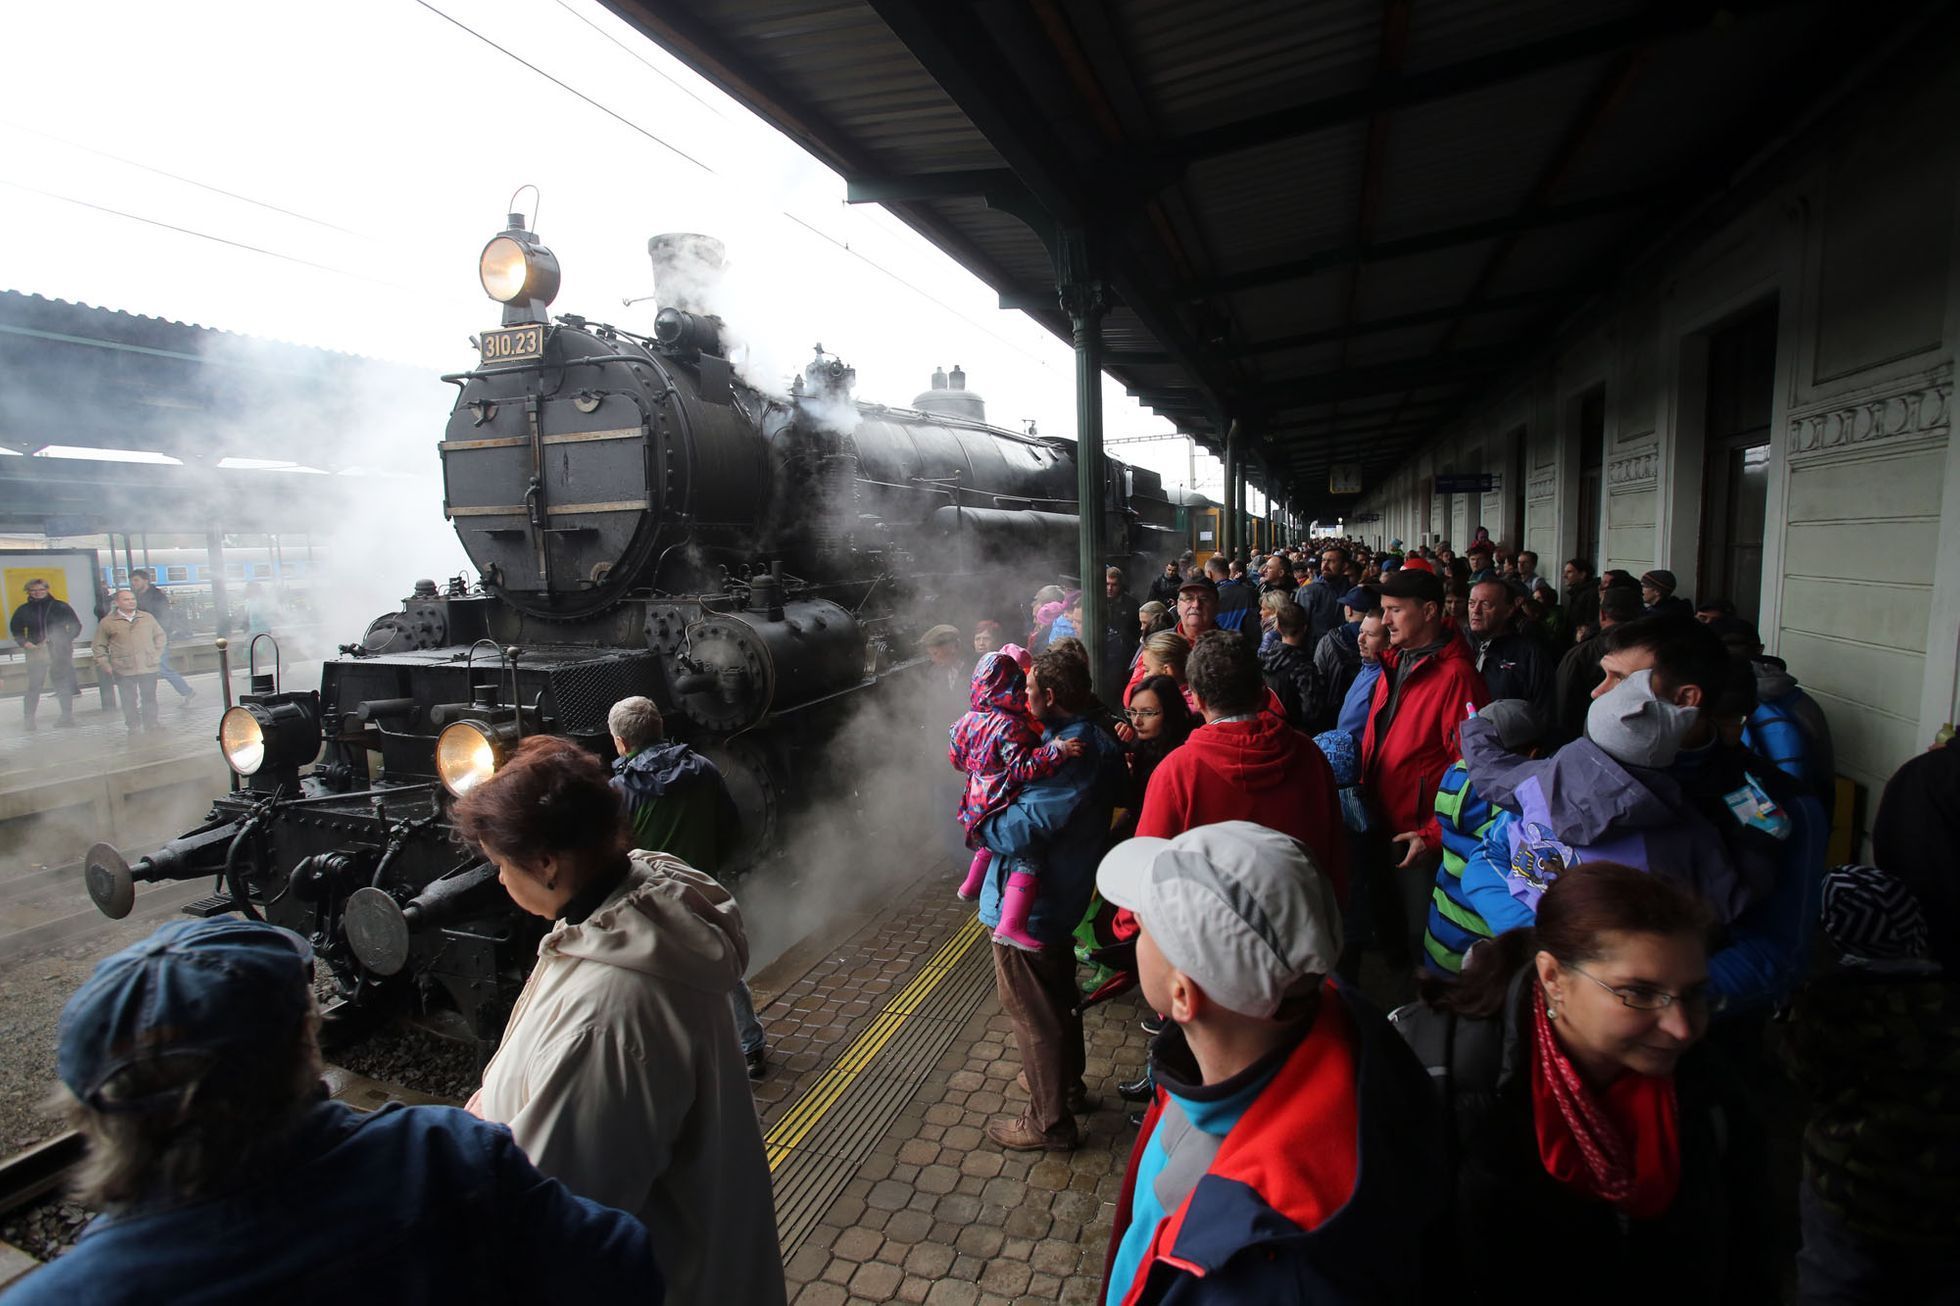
[192,1065]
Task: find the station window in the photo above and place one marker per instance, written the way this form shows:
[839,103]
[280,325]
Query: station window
[176,575]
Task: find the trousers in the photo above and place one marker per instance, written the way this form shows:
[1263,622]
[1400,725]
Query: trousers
[1037,991]
[50,667]
[131,688]
[748,1027]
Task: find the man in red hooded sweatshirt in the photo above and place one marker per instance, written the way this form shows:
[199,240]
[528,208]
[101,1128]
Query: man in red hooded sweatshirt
[1429,686]
[1245,764]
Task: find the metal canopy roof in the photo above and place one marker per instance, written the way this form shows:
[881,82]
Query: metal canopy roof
[1336,221]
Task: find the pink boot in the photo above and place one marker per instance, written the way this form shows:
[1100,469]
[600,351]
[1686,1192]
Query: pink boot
[1015,902]
[976,874]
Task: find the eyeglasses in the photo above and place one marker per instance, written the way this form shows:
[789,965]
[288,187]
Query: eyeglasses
[1143,713]
[1646,999]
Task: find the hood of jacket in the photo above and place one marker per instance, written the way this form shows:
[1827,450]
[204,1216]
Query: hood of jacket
[999,685]
[1586,792]
[1251,753]
[667,921]
[654,770]
[1284,659]
[1773,679]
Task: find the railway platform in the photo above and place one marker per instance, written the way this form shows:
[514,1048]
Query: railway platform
[889,1055]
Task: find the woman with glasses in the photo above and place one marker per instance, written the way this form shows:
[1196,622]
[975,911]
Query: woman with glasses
[1594,1146]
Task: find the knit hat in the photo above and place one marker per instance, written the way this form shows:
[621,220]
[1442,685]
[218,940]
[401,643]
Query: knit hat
[1661,580]
[1517,722]
[1634,727]
[1045,614]
[1871,914]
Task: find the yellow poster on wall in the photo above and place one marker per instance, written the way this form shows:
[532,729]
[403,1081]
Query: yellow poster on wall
[69,575]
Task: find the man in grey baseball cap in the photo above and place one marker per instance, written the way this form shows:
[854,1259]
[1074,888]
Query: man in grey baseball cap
[1256,1139]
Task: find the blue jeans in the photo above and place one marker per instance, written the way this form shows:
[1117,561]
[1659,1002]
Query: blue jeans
[748,1027]
[169,673]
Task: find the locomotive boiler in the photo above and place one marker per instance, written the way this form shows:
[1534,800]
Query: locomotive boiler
[643,521]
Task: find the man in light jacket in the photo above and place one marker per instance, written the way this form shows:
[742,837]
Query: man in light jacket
[129,642]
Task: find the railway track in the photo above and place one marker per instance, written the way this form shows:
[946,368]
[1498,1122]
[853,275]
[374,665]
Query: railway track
[43,1170]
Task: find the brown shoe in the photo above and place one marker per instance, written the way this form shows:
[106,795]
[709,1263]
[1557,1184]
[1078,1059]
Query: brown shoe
[1078,1101]
[1018,1135]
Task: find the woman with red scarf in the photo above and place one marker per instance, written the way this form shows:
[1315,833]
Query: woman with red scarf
[1598,1152]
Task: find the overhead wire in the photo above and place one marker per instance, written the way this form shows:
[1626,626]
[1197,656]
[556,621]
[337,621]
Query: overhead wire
[711,171]
[203,235]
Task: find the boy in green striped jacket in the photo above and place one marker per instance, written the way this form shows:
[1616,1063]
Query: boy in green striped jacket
[1464,816]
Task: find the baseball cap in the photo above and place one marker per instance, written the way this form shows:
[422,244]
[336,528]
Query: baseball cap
[1407,582]
[201,988]
[1362,599]
[1240,908]
[1199,583]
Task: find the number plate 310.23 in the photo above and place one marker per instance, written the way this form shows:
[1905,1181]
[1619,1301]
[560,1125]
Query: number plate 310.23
[522,344]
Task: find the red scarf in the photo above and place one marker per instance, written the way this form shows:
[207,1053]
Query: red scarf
[1622,1146]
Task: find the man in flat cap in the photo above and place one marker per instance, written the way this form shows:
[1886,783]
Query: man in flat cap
[191,1065]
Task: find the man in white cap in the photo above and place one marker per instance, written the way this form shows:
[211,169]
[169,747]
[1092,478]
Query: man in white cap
[1247,1182]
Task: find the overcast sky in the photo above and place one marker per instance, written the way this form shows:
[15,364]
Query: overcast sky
[328,177]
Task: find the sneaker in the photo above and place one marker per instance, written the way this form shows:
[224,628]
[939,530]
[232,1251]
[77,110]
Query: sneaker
[1140,1089]
[1017,1135]
[758,1062]
[1153,1024]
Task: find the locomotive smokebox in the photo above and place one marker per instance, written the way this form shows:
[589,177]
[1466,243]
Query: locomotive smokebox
[687,270]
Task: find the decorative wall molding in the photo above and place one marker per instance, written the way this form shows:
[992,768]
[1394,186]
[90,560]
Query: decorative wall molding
[1636,468]
[1922,411]
[1542,484]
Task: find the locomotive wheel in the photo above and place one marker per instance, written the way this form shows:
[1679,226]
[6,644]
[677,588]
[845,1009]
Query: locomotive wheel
[110,885]
[376,930]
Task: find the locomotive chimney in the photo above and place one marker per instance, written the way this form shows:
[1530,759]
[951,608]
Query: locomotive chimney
[686,270]
[949,395]
[957,377]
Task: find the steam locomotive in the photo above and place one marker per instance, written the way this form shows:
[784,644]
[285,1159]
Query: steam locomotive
[644,522]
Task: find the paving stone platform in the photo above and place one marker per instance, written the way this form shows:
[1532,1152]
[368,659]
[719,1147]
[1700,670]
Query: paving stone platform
[931,1211]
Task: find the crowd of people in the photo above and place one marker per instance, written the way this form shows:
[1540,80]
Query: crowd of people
[1583,825]
[1586,821]
[130,650]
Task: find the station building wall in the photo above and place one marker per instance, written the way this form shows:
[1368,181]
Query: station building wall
[1847,236]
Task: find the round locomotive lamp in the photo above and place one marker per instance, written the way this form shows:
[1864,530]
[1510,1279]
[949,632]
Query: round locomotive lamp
[469,752]
[271,735]
[241,738]
[515,270]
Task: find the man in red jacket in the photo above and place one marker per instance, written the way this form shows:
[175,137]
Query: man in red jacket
[1429,685]
[1245,764]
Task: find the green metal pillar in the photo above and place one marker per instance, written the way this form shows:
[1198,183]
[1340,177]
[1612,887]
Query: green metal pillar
[1085,298]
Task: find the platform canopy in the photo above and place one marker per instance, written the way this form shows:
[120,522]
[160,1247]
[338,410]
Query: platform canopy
[87,393]
[1336,222]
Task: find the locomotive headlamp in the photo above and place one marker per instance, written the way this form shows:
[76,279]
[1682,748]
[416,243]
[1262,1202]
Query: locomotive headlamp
[275,734]
[518,272]
[470,752]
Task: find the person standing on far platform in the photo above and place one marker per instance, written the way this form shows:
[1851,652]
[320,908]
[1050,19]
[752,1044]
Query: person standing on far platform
[155,602]
[129,643]
[46,628]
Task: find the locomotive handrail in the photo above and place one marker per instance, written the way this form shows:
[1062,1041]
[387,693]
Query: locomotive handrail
[538,365]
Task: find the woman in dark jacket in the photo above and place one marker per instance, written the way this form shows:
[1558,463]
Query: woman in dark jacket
[1598,1150]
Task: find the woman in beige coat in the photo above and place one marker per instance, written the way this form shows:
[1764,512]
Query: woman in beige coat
[129,643]
[619,1072]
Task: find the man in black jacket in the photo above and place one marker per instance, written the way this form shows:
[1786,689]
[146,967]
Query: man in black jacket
[154,601]
[1164,589]
[1514,665]
[46,630]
